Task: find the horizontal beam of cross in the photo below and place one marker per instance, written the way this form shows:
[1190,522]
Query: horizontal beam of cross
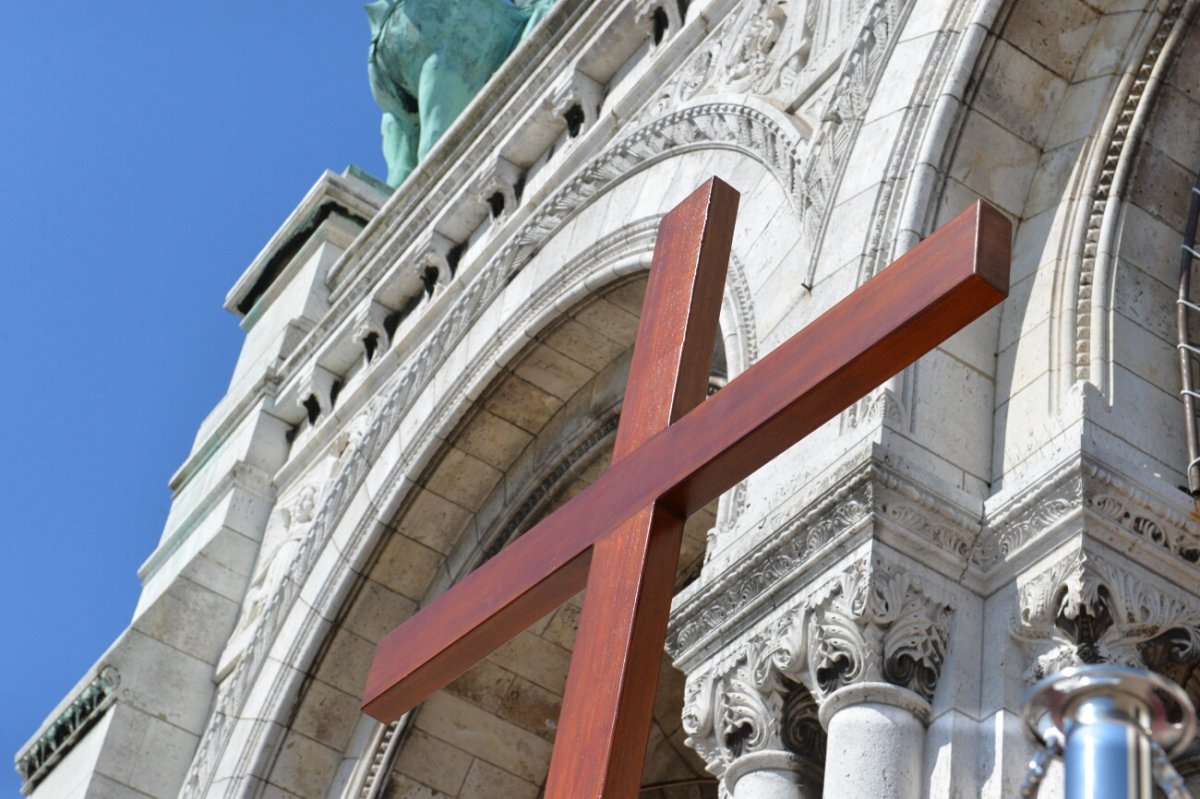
[902,313]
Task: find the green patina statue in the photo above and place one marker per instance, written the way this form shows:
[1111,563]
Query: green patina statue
[429,58]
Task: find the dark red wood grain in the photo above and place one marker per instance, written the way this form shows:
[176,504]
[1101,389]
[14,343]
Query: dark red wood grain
[608,706]
[910,307]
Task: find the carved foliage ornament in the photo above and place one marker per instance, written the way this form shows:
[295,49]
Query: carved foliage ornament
[794,534]
[878,625]
[1086,609]
[754,703]
[1088,488]
[872,623]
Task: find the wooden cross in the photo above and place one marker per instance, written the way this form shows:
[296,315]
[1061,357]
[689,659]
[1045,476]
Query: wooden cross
[674,453]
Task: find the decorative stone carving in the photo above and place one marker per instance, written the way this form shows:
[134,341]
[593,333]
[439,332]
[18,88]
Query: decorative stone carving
[370,777]
[285,533]
[749,704]
[775,48]
[782,49]
[576,99]
[651,14]
[872,494]
[1033,514]
[1088,609]
[499,188]
[872,624]
[1097,495]
[370,328]
[841,120]
[877,625]
[36,761]
[1098,217]
[739,586]
[315,391]
[879,404]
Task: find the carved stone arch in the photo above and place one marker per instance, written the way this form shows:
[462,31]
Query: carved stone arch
[1098,216]
[971,132]
[566,451]
[398,434]
[1054,155]
[1133,335]
[742,124]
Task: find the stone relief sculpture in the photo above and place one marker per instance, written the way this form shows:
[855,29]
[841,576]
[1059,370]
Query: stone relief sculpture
[285,532]
[428,58]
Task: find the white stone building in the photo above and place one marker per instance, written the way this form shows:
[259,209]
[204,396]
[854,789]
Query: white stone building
[428,372]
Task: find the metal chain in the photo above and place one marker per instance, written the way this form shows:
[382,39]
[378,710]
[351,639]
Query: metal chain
[1037,767]
[1166,776]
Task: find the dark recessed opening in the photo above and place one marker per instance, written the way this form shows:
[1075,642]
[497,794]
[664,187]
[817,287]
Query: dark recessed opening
[370,344]
[313,407]
[391,322]
[718,370]
[430,277]
[683,5]
[334,390]
[453,257]
[661,23]
[496,201]
[574,118]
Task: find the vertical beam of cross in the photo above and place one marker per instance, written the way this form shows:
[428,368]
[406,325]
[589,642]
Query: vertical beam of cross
[927,295]
[608,706]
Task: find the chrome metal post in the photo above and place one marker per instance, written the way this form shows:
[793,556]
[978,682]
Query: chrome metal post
[1108,723]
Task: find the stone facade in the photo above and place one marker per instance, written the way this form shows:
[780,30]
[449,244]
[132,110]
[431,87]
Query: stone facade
[428,372]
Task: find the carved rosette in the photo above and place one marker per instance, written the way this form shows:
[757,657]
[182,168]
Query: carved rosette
[1088,609]
[878,625]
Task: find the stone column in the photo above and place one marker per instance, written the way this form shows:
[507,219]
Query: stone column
[875,648]
[876,741]
[771,775]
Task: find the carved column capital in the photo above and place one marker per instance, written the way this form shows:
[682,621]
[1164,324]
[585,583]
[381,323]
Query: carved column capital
[749,704]
[1086,608]
[876,624]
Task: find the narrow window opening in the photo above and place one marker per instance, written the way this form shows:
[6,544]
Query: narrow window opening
[496,201]
[334,390]
[683,7]
[313,407]
[370,344]
[661,23]
[574,118]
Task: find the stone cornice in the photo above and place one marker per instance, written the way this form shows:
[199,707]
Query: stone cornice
[872,499]
[1156,523]
[60,733]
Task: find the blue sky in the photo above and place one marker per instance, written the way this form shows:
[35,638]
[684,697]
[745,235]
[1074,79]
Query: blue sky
[149,151]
